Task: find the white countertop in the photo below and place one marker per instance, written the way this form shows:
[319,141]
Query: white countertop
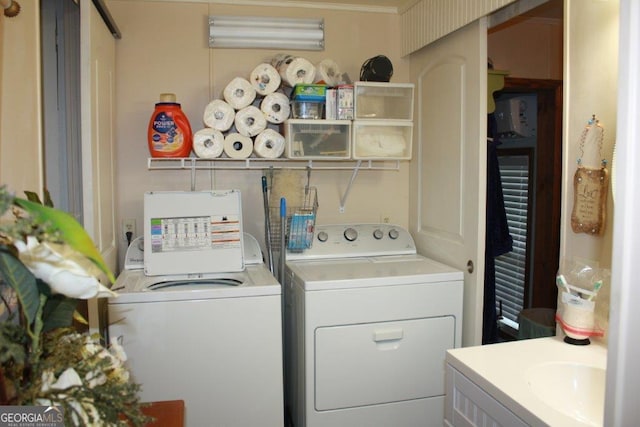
[500,370]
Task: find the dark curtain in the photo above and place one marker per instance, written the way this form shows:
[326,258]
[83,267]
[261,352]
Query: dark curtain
[498,241]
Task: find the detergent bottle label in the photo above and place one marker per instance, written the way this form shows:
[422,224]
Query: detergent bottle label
[166,136]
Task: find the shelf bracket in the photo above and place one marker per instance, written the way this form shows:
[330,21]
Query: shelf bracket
[193,176]
[354,174]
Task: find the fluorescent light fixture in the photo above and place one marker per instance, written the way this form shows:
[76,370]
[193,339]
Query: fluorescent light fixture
[266,33]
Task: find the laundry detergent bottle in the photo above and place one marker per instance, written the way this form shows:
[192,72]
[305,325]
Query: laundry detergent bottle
[169,133]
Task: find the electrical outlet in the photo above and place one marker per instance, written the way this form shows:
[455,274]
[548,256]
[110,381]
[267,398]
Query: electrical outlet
[128,226]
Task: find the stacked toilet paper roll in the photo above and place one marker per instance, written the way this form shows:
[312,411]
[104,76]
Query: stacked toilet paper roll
[294,70]
[208,143]
[250,121]
[275,107]
[265,79]
[237,146]
[236,124]
[239,93]
[219,115]
[328,72]
[269,144]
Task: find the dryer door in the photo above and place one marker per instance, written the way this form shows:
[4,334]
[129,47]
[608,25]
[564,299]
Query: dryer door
[383,362]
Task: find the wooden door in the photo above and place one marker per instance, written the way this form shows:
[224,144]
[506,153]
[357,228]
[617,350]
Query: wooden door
[448,172]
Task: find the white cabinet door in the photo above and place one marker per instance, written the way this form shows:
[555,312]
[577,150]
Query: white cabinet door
[448,176]
[468,405]
[97,92]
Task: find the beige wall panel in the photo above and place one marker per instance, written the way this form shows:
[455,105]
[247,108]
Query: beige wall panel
[590,88]
[164,48]
[20,123]
[591,45]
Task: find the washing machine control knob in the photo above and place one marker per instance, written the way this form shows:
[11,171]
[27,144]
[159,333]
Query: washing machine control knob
[323,236]
[378,234]
[394,234]
[350,234]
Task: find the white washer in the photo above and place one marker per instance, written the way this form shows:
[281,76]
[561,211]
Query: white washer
[213,340]
[368,323]
[218,347]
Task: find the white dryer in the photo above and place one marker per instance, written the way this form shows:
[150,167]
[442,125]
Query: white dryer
[367,325]
[213,340]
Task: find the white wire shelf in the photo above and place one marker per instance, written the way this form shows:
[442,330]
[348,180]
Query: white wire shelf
[194,164]
[251,163]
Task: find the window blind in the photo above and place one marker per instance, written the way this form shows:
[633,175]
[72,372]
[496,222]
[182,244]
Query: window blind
[511,267]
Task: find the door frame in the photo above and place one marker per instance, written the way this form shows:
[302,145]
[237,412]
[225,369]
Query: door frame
[548,188]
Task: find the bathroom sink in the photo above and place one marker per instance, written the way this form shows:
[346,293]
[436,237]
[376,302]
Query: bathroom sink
[576,390]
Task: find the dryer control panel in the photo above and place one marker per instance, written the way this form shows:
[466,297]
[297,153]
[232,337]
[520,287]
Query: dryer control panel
[357,240]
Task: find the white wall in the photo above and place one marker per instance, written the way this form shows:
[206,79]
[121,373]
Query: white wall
[21,150]
[590,87]
[623,376]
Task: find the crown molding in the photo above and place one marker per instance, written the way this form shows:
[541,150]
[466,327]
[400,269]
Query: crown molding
[298,4]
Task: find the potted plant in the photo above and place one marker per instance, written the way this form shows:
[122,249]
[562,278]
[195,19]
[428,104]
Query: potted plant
[47,264]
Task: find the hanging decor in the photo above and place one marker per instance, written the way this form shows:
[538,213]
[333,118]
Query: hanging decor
[11,8]
[590,186]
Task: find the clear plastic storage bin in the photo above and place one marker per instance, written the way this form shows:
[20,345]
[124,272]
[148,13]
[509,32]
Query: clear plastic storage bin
[382,140]
[307,110]
[383,101]
[318,139]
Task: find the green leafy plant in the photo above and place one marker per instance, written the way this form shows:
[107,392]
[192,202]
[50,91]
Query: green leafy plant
[47,263]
